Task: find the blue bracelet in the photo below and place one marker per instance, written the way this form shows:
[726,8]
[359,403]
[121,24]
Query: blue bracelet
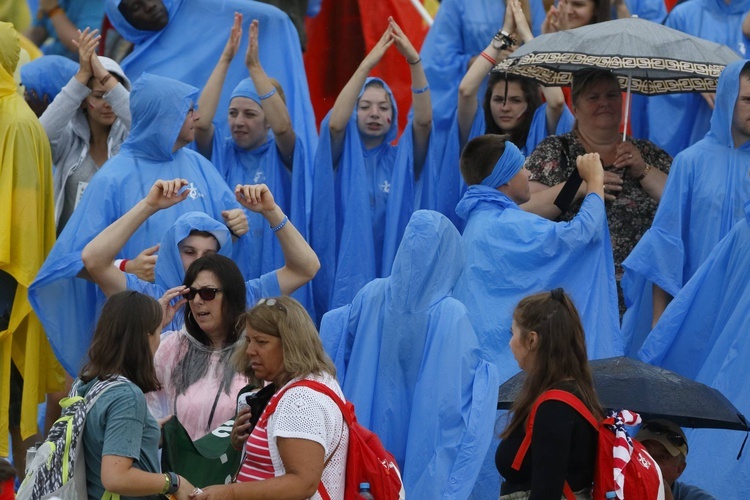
[420,91]
[266,96]
[282,224]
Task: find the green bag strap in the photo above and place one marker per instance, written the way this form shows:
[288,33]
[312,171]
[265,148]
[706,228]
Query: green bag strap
[110,496]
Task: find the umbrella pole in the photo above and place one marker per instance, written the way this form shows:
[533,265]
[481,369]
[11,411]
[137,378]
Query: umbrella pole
[627,109]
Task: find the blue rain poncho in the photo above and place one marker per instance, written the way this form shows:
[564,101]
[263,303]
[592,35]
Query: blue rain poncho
[511,254]
[170,273]
[189,46]
[47,75]
[263,165]
[451,186]
[677,121]
[703,335]
[67,306]
[348,221]
[707,185]
[407,357]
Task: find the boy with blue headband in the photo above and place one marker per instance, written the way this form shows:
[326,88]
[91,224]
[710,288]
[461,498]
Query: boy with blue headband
[511,253]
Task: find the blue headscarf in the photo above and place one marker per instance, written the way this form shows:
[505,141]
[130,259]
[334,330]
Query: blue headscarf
[246,88]
[507,166]
[47,75]
[126,29]
[391,348]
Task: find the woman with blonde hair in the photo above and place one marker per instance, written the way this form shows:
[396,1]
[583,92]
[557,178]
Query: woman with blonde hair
[301,447]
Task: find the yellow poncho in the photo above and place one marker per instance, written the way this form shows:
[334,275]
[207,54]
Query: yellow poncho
[27,233]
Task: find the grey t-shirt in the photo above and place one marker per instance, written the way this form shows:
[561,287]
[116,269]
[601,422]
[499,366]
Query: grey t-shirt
[119,424]
[74,188]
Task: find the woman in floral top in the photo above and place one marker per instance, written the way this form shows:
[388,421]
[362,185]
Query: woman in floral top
[635,170]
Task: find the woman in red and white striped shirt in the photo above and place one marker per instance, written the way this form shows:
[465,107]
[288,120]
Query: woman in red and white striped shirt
[299,449]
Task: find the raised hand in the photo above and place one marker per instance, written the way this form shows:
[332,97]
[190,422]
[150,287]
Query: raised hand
[167,308]
[236,221]
[255,197]
[522,24]
[235,36]
[378,51]
[87,43]
[590,167]
[551,23]
[509,22]
[252,60]
[144,264]
[164,194]
[403,44]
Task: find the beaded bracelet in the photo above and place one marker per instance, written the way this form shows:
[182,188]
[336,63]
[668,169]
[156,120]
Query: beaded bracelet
[488,57]
[420,91]
[282,224]
[266,96]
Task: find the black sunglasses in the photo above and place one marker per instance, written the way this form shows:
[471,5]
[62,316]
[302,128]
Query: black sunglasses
[205,293]
[672,437]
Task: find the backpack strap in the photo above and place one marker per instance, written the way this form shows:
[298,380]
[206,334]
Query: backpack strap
[346,412]
[552,395]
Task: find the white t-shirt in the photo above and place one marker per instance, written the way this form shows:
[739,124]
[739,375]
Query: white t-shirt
[305,413]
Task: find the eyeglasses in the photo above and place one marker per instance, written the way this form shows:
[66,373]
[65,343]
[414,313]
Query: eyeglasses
[660,430]
[205,293]
[271,303]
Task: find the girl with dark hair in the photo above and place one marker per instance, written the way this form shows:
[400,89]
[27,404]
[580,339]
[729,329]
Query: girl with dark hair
[571,14]
[120,437]
[512,104]
[199,384]
[548,343]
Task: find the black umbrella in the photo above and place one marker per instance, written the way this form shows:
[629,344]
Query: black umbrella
[624,383]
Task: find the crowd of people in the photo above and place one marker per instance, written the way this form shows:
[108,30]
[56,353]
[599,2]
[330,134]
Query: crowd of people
[175,225]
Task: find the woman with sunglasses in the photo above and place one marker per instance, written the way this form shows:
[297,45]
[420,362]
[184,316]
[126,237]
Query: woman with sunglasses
[301,447]
[549,345]
[199,385]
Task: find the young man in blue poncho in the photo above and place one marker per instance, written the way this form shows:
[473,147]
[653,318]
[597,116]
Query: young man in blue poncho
[176,38]
[195,235]
[407,356]
[163,123]
[703,335]
[511,253]
[676,121]
[707,186]
[263,147]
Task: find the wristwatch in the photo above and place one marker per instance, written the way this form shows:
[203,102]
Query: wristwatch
[502,40]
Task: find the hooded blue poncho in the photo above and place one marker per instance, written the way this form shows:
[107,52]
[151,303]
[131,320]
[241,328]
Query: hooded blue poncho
[265,165]
[169,271]
[677,121]
[47,75]
[707,186]
[189,46]
[66,305]
[511,254]
[348,225]
[703,335]
[407,357]
[451,186]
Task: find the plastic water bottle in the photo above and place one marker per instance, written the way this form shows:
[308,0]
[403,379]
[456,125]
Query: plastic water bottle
[364,491]
[30,454]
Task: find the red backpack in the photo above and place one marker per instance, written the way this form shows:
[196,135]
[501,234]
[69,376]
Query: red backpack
[367,460]
[620,473]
